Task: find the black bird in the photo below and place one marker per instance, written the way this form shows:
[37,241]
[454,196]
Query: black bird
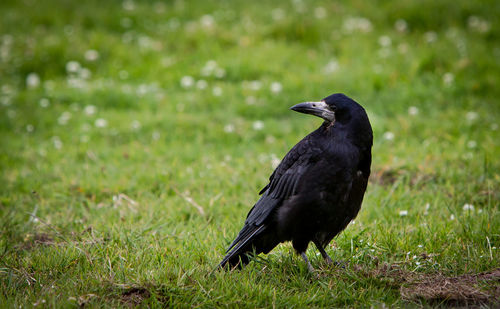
[316,190]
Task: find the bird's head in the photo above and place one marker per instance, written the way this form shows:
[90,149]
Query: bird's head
[336,107]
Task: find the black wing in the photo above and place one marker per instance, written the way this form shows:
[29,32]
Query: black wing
[282,184]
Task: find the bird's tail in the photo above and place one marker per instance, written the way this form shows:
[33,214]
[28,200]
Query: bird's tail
[243,246]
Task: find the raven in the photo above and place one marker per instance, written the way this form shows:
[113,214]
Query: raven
[316,190]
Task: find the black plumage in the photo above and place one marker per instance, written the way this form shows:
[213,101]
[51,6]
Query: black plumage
[318,187]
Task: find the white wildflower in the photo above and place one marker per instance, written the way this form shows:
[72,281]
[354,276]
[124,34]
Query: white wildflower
[471,116]
[403,48]
[32,80]
[128,5]
[401,25]
[217,91]
[299,6]
[331,66]
[471,144]
[452,217]
[7,89]
[360,24]
[90,110]
[207,21]
[468,207]
[123,74]
[250,100]
[68,30]
[101,123]
[159,7]
[275,161]
[135,125]
[84,73]
[75,82]
[229,128]
[220,72]
[84,138]
[427,207]
[255,85]
[156,135]
[142,89]
[174,23]
[430,36]
[187,81]
[278,14]
[384,52]
[57,142]
[126,22]
[167,61]
[388,136]
[478,24]
[403,213]
[11,113]
[73,66]
[276,87]
[320,12]
[377,68]
[209,68]
[270,139]
[91,55]
[86,127]
[448,78]
[44,102]
[5,101]
[412,110]
[468,156]
[258,125]
[201,84]
[64,118]
[385,41]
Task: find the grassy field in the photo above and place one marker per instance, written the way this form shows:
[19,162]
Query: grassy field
[134,137]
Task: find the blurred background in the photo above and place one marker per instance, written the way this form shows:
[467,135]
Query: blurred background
[115,95]
[157,117]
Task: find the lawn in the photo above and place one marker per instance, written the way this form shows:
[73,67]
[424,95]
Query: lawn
[135,136]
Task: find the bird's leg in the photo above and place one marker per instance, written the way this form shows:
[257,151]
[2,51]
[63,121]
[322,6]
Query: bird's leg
[309,266]
[325,255]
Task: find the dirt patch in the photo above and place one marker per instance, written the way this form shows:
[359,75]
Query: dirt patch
[134,296]
[37,239]
[465,290]
[384,177]
[389,176]
[437,289]
[34,240]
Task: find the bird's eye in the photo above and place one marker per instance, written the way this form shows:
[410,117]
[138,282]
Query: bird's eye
[333,107]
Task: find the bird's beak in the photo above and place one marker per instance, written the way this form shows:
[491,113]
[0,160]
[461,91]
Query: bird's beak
[319,109]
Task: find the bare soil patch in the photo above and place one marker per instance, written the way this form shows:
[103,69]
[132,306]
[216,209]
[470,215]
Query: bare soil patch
[134,296]
[464,290]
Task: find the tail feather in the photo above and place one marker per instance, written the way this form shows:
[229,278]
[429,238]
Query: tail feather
[242,246]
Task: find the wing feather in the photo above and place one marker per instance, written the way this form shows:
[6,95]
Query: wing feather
[283,184]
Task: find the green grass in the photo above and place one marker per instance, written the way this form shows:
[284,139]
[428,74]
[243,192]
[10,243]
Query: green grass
[427,72]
